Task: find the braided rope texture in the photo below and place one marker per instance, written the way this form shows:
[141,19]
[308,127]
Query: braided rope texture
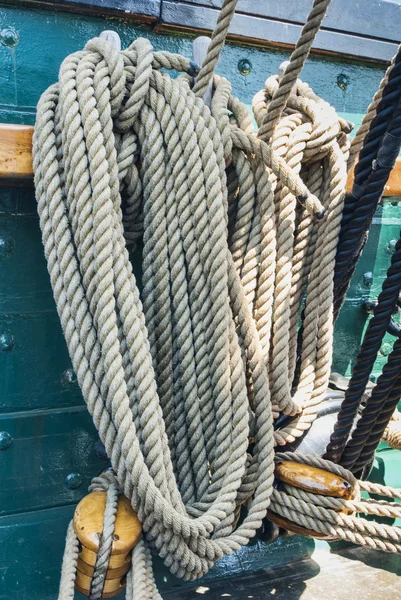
[361,203]
[361,372]
[178,377]
[336,517]
[294,68]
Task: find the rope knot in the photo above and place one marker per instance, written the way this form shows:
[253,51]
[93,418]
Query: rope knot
[326,128]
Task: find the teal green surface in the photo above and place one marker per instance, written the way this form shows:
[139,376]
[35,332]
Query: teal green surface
[41,408]
[366,285]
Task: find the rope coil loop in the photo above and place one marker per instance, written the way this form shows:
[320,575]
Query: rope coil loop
[181,372]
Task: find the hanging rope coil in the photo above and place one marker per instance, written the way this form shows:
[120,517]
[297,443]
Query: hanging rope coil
[166,383]
[234,232]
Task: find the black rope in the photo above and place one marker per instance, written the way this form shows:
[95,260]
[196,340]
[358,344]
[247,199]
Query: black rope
[383,420]
[364,441]
[361,203]
[374,334]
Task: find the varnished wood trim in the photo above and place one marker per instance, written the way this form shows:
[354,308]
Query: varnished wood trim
[312,479]
[16,152]
[16,160]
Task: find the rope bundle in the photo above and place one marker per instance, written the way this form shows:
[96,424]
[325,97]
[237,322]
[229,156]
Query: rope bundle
[233,231]
[336,517]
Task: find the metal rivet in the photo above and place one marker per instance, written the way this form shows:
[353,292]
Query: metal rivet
[73,481]
[7,342]
[390,247]
[369,306]
[5,440]
[244,66]
[101,450]
[9,37]
[342,81]
[68,377]
[368,278]
[6,246]
[373,378]
[386,349]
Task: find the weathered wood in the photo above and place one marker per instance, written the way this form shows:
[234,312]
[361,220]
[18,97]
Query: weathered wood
[16,160]
[367,30]
[312,479]
[146,11]
[260,28]
[371,18]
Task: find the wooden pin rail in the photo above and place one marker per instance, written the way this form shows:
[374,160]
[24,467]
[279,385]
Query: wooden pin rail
[16,160]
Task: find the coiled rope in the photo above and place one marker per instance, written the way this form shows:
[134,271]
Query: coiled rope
[180,376]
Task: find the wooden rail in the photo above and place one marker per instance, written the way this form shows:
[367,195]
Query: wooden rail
[16,160]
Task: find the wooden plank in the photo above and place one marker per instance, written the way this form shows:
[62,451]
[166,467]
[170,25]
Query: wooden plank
[145,11]
[374,23]
[15,152]
[378,19]
[265,31]
[16,159]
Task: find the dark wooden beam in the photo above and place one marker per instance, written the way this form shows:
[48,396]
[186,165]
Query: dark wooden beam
[142,11]
[271,25]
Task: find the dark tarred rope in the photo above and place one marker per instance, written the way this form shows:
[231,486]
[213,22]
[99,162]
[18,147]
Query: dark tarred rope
[381,423]
[370,426]
[374,334]
[378,127]
[361,203]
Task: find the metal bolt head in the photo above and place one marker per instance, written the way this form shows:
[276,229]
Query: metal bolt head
[6,246]
[9,37]
[368,278]
[342,81]
[5,440]
[244,66]
[73,481]
[68,377]
[390,247]
[7,342]
[386,349]
[100,450]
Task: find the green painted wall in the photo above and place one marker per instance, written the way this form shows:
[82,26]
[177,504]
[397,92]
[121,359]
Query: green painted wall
[52,454]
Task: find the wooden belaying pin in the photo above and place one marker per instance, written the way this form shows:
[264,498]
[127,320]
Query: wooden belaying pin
[313,479]
[88,526]
[112,37]
[280,74]
[200,46]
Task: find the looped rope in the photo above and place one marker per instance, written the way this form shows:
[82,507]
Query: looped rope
[233,232]
[392,433]
[106,482]
[336,517]
[310,136]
